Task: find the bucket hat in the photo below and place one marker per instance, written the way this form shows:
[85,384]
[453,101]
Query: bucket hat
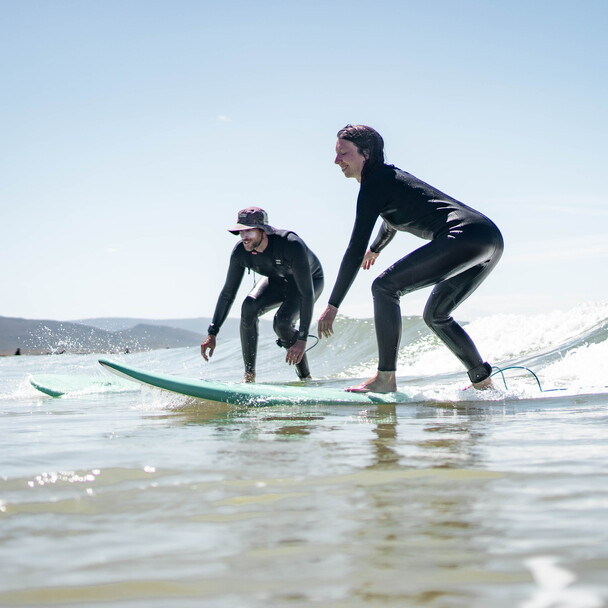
[252,217]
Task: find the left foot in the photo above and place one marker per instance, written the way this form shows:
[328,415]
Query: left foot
[382,382]
[484,385]
[249,378]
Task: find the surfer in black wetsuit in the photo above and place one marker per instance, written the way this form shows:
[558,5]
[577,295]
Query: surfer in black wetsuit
[293,280]
[463,248]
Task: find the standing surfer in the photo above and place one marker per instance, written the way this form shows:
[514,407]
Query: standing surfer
[293,280]
[463,248]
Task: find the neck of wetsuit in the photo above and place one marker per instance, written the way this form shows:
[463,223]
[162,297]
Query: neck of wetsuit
[366,173]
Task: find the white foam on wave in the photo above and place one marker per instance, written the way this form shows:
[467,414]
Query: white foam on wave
[504,340]
[583,367]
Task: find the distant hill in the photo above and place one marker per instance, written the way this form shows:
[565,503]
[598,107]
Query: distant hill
[45,336]
[197,325]
[105,335]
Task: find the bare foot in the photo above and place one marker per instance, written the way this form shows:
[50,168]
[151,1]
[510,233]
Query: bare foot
[249,378]
[484,385]
[382,382]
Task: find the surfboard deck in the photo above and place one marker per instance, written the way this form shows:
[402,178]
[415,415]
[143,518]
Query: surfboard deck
[57,385]
[251,394]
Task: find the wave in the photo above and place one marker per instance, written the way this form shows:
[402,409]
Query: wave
[565,349]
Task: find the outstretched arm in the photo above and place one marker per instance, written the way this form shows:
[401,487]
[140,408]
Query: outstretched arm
[224,303]
[304,283]
[383,238]
[352,261]
[302,275]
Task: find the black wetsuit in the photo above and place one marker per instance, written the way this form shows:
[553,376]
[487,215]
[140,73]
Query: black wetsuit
[464,247]
[293,282]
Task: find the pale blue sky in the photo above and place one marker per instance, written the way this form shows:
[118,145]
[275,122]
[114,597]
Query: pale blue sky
[133,131]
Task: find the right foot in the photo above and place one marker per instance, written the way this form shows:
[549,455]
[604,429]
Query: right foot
[248,379]
[382,382]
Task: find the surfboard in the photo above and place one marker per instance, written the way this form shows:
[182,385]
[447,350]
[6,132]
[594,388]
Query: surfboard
[251,394]
[57,385]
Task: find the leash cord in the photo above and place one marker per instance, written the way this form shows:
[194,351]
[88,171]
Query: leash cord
[540,388]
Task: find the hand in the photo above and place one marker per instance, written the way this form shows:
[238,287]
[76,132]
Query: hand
[209,343]
[326,321]
[296,352]
[369,259]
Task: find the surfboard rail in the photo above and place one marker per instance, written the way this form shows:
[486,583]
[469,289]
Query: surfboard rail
[250,394]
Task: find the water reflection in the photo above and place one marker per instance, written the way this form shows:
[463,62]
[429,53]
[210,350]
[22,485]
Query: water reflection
[423,523]
[384,443]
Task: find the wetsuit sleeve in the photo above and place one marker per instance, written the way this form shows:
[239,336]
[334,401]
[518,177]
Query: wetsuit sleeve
[353,257]
[228,293]
[384,237]
[302,275]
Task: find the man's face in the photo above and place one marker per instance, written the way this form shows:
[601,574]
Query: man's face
[349,159]
[252,239]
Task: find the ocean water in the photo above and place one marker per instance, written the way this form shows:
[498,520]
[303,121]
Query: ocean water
[118,495]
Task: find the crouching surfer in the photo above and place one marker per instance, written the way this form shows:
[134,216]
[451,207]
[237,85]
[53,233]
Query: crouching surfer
[293,280]
[464,247]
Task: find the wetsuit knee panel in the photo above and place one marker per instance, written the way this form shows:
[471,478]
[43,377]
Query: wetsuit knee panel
[285,331]
[249,309]
[433,319]
[383,285]
[283,326]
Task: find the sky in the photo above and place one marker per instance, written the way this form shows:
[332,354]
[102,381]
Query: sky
[132,132]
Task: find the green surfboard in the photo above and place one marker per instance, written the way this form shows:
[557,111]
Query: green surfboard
[57,385]
[251,394]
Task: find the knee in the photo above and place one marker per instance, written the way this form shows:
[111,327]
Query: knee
[428,317]
[382,287]
[249,310]
[283,328]
[433,319]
